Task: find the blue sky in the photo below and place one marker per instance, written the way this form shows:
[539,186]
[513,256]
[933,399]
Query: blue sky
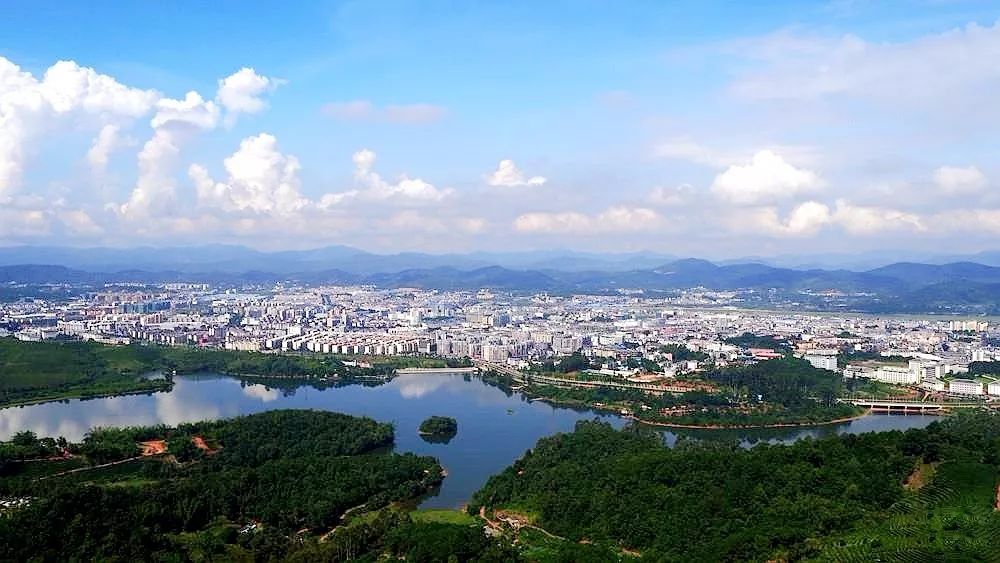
[710,128]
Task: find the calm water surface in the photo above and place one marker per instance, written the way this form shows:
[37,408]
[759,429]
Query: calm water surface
[494,429]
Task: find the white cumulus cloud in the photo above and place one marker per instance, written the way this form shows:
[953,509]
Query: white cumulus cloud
[260,179]
[174,121]
[805,219]
[30,107]
[105,142]
[68,87]
[767,177]
[155,188]
[508,174]
[191,111]
[405,190]
[242,91]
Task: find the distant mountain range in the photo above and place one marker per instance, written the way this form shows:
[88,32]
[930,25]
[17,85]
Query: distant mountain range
[238,259]
[903,286]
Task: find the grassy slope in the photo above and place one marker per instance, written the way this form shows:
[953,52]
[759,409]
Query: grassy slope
[444,516]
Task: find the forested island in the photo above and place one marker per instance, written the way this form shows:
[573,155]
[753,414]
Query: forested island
[52,370]
[438,429]
[920,495]
[439,425]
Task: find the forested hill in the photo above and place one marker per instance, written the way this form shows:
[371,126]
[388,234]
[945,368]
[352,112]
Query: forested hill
[922,495]
[261,487]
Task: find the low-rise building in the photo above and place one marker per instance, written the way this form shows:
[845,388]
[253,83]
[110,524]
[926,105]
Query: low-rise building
[965,387]
[896,375]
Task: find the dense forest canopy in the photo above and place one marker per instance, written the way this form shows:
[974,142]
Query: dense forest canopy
[787,381]
[712,502]
[751,340]
[287,472]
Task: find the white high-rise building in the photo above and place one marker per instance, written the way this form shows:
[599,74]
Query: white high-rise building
[822,359]
[975,326]
[495,353]
[980,355]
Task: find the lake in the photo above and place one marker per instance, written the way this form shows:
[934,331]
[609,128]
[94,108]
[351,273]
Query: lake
[494,428]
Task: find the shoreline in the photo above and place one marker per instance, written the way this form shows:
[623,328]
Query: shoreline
[749,426]
[81,397]
[321,378]
[632,417]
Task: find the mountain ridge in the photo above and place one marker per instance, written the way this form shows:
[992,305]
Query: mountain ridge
[236,259]
[904,286]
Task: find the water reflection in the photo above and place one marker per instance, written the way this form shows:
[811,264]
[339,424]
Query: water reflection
[438,438]
[262,392]
[749,437]
[497,428]
[416,387]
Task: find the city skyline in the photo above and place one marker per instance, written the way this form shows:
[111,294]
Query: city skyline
[438,127]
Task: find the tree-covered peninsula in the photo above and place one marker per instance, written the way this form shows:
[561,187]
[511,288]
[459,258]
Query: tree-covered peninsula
[52,370]
[919,495]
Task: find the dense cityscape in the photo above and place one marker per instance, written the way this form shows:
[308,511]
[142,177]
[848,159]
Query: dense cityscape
[618,333]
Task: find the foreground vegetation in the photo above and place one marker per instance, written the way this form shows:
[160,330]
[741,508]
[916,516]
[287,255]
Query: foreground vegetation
[281,486]
[319,486]
[845,498]
[262,486]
